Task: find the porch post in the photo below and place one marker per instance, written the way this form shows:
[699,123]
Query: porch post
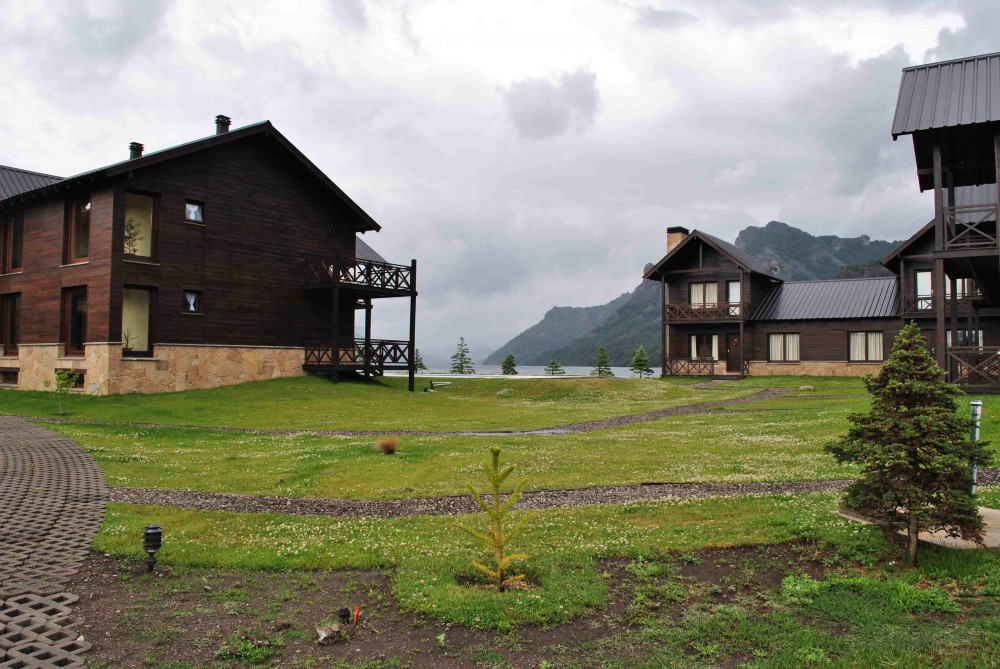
[413,323]
[743,318]
[938,276]
[368,336]
[663,327]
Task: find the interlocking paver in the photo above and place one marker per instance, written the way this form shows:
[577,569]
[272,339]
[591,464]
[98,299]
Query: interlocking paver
[52,501]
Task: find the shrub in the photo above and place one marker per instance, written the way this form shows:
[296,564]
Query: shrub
[388,445]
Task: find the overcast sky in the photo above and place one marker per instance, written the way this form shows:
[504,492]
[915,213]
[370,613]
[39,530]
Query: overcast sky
[528,154]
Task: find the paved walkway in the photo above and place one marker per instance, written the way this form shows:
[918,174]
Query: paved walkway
[52,501]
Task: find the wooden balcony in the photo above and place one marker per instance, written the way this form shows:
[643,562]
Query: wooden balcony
[699,313]
[922,306]
[970,227]
[373,357]
[974,368]
[363,275]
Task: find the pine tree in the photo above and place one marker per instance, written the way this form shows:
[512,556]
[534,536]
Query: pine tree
[461,362]
[509,365]
[640,362]
[602,366]
[418,362]
[554,368]
[913,449]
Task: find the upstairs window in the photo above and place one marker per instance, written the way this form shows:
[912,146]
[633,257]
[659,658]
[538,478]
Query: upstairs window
[783,347]
[704,294]
[10,322]
[140,225]
[78,230]
[192,302]
[865,347]
[922,279]
[11,243]
[194,212]
[734,297]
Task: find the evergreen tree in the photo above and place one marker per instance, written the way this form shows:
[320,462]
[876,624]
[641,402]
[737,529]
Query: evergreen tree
[509,365]
[913,449]
[461,362]
[640,363]
[554,368]
[418,362]
[602,366]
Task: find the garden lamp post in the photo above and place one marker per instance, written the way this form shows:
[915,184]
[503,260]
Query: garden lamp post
[152,540]
[976,411]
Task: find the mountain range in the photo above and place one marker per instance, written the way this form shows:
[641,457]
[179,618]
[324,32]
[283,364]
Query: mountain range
[572,335]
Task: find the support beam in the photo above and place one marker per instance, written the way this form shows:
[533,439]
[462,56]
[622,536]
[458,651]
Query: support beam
[663,327]
[413,323]
[743,318]
[954,311]
[368,336]
[938,275]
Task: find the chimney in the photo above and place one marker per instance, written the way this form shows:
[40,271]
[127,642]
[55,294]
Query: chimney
[676,235]
[134,150]
[222,124]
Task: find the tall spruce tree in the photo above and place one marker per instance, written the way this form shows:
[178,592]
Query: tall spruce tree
[509,365]
[554,368]
[602,366]
[418,362]
[461,362]
[913,449]
[640,362]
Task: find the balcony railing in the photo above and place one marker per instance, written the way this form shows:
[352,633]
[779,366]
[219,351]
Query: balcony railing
[976,366]
[700,367]
[970,226]
[376,355]
[721,311]
[348,271]
[923,305]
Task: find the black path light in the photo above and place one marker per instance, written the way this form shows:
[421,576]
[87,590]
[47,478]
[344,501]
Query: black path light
[152,540]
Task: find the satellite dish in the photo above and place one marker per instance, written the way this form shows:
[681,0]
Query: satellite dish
[774,267]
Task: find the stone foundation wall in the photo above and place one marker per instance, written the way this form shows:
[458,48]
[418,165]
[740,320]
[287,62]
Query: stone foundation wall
[174,367]
[813,368]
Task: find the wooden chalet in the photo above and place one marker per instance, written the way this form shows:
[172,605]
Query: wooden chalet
[724,314]
[228,259]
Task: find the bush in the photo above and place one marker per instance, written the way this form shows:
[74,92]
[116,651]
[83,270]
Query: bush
[388,445]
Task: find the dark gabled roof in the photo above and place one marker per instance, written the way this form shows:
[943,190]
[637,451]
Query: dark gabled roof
[739,256]
[263,128]
[947,94]
[364,252]
[14,181]
[838,298]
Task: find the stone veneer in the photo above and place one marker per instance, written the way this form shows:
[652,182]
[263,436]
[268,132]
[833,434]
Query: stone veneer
[813,368]
[174,367]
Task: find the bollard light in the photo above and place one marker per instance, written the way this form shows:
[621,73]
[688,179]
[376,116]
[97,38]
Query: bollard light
[976,413]
[152,540]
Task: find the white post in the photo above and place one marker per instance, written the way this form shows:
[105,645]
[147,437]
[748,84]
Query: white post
[976,409]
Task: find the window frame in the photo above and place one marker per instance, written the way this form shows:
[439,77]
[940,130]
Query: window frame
[150,323]
[868,354]
[201,207]
[10,303]
[70,231]
[711,340]
[11,222]
[704,303]
[200,304]
[784,346]
[66,328]
[154,243]
[923,302]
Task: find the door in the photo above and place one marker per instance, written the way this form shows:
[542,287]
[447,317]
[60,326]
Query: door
[733,362]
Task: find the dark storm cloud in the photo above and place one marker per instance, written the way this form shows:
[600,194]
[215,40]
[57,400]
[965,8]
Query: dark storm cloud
[650,17]
[540,109]
[979,36]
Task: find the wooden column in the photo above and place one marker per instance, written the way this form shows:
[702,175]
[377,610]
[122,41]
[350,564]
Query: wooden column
[335,325]
[938,275]
[663,327]
[368,336]
[413,323]
[954,311]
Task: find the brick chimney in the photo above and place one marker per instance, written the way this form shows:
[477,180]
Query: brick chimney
[676,235]
[222,124]
[134,150]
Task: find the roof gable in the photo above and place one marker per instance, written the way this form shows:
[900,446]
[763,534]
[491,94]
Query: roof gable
[739,257]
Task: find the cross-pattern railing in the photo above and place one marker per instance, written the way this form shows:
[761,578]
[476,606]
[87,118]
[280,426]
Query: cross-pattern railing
[970,226]
[974,365]
[924,304]
[699,367]
[356,354]
[720,311]
[346,270]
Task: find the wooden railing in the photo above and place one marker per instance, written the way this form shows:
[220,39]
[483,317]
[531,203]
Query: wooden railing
[721,311]
[346,270]
[974,365]
[356,354]
[970,226]
[924,305]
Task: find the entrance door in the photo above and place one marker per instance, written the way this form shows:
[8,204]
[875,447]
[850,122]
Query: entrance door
[733,354]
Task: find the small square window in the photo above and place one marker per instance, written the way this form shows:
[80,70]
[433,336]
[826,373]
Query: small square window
[8,377]
[192,302]
[194,212]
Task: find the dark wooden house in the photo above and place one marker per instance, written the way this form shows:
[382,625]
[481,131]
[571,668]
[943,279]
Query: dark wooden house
[228,259]
[725,314]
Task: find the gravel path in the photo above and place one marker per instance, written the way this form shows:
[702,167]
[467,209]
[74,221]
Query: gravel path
[586,426]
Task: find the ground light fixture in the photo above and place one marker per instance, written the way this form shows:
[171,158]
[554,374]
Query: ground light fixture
[152,540]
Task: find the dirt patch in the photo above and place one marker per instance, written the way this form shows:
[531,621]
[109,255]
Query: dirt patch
[186,618]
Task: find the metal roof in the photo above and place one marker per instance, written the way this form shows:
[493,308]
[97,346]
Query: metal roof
[946,94]
[14,181]
[364,252]
[837,298]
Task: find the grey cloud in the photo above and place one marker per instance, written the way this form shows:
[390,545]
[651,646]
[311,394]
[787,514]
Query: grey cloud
[540,109]
[351,13]
[662,19]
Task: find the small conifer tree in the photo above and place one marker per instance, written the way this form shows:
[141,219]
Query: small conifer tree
[602,366]
[418,362]
[554,368]
[913,449]
[640,363]
[509,365]
[498,537]
[65,382]
[461,362]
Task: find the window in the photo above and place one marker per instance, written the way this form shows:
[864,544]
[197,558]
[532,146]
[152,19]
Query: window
[963,288]
[194,212]
[192,302]
[11,243]
[8,377]
[140,225]
[783,347]
[704,294]
[734,297]
[137,304]
[78,375]
[965,338]
[74,320]
[922,279]
[704,346]
[10,322]
[865,346]
[78,230]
